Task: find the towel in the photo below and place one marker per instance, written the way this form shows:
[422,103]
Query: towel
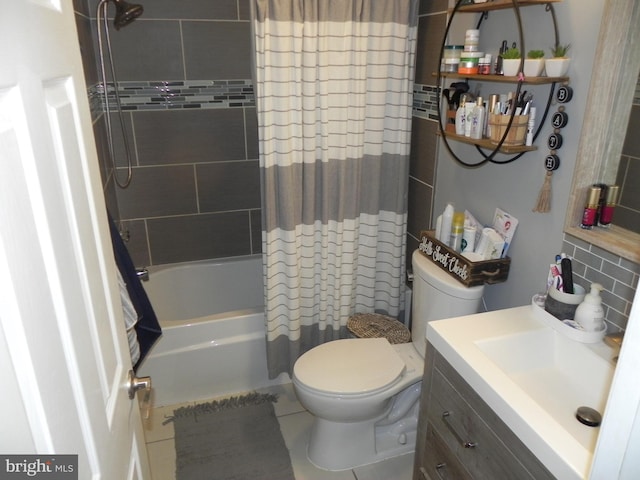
[130,320]
[147,327]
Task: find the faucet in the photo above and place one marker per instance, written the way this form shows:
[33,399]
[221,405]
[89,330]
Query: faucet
[614,340]
[143,274]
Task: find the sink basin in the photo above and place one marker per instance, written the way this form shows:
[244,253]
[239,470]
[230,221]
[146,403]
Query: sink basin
[557,373]
[534,377]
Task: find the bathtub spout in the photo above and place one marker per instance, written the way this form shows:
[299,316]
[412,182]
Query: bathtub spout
[143,274]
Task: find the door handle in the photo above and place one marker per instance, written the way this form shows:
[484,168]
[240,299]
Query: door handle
[138,383]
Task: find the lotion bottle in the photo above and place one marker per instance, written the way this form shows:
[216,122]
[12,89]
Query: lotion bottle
[461,116]
[477,120]
[590,314]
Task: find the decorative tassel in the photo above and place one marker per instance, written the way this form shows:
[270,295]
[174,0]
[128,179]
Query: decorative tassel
[544,197]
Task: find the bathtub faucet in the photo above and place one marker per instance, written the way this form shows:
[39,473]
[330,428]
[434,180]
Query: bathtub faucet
[143,274]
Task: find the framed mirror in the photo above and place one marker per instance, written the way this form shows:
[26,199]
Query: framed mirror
[617,63]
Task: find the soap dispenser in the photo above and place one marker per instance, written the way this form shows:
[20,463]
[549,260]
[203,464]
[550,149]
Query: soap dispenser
[590,314]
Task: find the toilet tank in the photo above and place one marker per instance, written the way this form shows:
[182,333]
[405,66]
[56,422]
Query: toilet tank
[437,295]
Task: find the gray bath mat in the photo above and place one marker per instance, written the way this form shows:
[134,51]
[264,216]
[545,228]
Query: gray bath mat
[232,439]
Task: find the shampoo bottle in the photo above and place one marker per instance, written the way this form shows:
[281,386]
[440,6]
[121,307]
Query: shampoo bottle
[447,218]
[461,116]
[477,119]
[590,314]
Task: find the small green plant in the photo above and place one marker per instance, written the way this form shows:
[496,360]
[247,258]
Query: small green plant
[535,54]
[511,53]
[560,51]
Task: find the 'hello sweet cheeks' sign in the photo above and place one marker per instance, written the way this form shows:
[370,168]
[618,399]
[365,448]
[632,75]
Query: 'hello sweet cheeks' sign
[444,258]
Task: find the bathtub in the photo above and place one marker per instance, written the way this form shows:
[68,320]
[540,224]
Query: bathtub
[212,318]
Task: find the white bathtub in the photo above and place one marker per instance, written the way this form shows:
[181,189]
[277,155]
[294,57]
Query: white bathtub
[213,341]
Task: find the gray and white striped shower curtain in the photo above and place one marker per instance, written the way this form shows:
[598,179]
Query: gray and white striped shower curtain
[334,81]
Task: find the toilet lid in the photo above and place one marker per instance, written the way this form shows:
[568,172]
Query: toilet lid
[350,366]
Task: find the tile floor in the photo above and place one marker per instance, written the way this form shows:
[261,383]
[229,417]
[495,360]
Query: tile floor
[295,423]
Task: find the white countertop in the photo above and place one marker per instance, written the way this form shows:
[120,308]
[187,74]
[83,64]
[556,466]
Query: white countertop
[565,449]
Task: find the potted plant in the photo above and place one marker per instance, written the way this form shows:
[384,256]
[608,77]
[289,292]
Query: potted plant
[558,65]
[511,60]
[534,63]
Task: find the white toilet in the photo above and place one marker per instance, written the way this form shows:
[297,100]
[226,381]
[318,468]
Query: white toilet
[364,392]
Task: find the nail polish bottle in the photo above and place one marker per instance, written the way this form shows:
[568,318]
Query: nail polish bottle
[590,212]
[606,212]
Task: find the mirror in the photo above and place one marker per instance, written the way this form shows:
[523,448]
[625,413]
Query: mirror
[617,62]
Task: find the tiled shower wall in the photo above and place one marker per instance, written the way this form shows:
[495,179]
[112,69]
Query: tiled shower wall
[184,71]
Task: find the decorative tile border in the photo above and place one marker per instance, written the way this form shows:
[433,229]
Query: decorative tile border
[175,94]
[425,101]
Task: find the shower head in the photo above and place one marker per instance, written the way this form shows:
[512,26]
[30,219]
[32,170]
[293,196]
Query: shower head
[126,13]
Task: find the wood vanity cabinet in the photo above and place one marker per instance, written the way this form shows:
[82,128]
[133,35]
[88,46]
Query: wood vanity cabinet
[460,437]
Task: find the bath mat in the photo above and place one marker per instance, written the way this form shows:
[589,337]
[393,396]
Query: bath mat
[232,439]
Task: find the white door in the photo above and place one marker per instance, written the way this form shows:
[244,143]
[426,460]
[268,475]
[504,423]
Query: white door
[63,352]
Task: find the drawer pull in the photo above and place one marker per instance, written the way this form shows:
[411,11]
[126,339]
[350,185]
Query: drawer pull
[465,444]
[440,470]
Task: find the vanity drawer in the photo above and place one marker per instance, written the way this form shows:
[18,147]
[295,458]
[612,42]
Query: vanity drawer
[477,437]
[439,463]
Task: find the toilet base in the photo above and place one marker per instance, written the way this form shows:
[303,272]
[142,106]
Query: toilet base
[341,446]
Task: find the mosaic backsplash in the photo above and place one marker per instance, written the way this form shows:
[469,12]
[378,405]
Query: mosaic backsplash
[425,101]
[174,94]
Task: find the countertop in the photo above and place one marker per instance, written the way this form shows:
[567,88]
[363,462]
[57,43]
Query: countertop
[566,450]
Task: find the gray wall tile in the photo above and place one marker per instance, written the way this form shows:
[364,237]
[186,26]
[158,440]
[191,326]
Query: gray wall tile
[419,215]
[198,237]
[231,57]
[148,50]
[159,191]
[431,6]
[251,132]
[137,245]
[430,33]
[224,186]
[189,136]
[424,144]
[244,10]
[256,231]
[192,9]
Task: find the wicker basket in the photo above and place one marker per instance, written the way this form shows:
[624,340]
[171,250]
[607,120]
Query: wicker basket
[374,325]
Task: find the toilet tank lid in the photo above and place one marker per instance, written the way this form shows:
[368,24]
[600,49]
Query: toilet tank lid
[350,366]
[424,268]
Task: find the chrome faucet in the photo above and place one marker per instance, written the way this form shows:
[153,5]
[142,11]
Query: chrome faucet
[143,274]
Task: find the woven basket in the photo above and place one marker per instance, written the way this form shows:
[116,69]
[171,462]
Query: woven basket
[375,325]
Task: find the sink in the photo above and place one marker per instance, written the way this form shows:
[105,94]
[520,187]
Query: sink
[534,376]
[558,373]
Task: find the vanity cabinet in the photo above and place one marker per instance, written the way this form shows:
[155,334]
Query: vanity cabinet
[460,437]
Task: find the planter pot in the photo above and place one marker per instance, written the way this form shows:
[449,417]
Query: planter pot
[533,67]
[556,67]
[510,66]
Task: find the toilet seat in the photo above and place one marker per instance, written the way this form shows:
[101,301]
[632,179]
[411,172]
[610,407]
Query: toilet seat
[350,367]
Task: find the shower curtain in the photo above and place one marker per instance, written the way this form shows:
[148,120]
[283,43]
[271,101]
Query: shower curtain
[334,81]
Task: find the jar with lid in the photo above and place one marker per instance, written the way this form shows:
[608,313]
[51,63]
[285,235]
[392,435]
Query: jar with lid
[451,58]
[469,62]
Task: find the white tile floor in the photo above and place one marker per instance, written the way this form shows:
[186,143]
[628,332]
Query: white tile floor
[295,423]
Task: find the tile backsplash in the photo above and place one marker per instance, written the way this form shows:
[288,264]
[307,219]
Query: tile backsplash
[618,276]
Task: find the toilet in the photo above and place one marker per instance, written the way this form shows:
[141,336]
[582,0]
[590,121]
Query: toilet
[364,392]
